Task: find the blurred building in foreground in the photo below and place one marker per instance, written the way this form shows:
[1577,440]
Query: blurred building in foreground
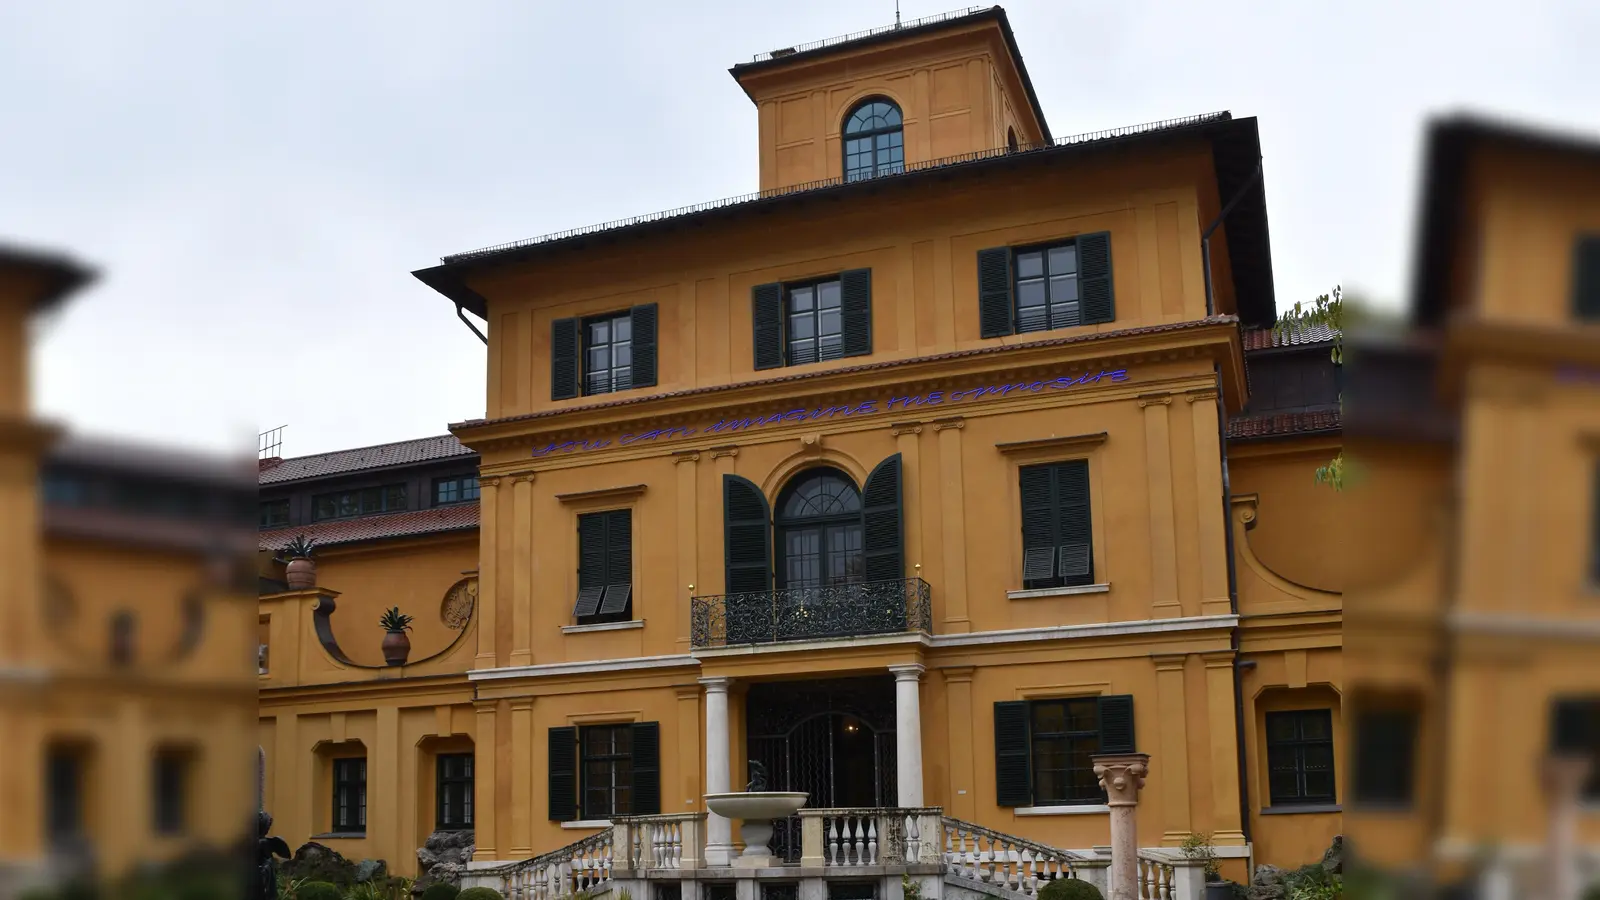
[126,629]
[1472,639]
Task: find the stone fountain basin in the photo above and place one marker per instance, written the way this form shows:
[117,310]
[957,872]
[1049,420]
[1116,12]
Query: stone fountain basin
[756,805]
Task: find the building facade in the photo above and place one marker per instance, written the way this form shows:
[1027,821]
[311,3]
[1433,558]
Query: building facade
[956,455]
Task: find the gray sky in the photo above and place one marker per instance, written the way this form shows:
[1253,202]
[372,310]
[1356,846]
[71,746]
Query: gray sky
[257,180]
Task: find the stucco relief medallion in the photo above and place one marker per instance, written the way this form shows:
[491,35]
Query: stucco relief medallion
[459,601]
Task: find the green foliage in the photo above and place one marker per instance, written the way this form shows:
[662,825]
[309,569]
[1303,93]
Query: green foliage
[319,890]
[912,889]
[1592,892]
[393,888]
[394,620]
[1070,889]
[1313,882]
[1198,847]
[480,893]
[301,547]
[1326,310]
[441,891]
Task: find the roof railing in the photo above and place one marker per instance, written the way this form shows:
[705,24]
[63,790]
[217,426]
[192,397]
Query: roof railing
[871,32]
[974,156]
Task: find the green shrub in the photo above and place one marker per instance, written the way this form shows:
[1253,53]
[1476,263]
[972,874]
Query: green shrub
[1592,892]
[441,891]
[319,890]
[1070,889]
[480,893]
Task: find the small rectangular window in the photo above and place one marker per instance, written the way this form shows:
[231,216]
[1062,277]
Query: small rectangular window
[605,567]
[1575,729]
[1047,287]
[171,791]
[606,770]
[1300,757]
[350,795]
[454,792]
[813,321]
[458,489]
[361,502]
[1586,278]
[1057,540]
[274,513]
[1386,752]
[608,353]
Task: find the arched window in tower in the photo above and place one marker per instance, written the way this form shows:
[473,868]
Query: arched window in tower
[819,531]
[874,142]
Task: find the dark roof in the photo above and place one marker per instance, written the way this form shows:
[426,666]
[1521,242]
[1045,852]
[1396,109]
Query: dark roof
[1301,423]
[379,456]
[915,28]
[440,519]
[1298,336]
[143,460]
[1236,150]
[62,274]
[1451,142]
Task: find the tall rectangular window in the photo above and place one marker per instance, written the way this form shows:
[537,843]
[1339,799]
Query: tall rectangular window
[454,792]
[170,777]
[456,489]
[1386,752]
[64,803]
[815,326]
[274,513]
[362,502]
[605,567]
[1575,729]
[350,795]
[607,770]
[1065,734]
[608,353]
[1300,757]
[1057,545]
[1586,278]
[1047,288]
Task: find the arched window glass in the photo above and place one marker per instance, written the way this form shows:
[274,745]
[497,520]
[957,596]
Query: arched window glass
[819,530]
[1011,140]
[874,142]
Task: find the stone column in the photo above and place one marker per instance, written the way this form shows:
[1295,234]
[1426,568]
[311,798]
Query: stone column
[908,732]
[719,830]
[1563,779]
[1121,776]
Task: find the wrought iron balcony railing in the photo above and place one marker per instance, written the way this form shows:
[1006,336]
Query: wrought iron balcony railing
[803,614]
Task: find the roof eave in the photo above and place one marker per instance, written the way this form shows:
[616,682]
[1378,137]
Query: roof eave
[447,280]
[60,275]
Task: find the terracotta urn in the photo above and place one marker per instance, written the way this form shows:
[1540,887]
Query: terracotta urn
[301,574]
[396,647]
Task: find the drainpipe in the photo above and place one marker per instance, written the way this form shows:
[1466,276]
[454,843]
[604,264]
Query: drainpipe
[1205,237]
[461,314]
[1233,605]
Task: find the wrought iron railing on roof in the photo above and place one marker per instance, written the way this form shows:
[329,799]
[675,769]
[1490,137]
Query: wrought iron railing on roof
[871,32]
[909,168]
[811,613]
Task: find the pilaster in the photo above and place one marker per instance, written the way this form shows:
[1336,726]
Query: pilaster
[1226,828]
[1174,749]
[488,588]
[1163,525]
[953,519]
[522,571]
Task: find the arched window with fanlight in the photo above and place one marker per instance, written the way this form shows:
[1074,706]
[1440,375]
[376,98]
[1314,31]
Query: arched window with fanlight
[874,140]
[819,531]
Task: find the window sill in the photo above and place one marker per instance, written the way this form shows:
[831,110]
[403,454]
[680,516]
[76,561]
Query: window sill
[602,626]
[585,824]
[1038,593]
[341,836]
[1302,809]
[1081,809]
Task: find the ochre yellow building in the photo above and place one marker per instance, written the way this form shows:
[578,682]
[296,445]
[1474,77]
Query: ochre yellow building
[125,693]
[959,453]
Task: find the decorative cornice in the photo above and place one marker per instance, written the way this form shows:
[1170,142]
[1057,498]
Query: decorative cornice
[952,422]
[1219,659]
[583,667]
[957,674]
[525,478]
[900,428]
[1095,630]
[488,481]
[624,492]
[686,456]
[1154,400]
[1169,662]
[727,450]
[1053,443]
[1201,394]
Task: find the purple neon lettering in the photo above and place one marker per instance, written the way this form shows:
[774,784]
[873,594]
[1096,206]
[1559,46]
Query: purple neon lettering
[1119,375]
[867,406]
[1035,386]
[935,397]
[795,415]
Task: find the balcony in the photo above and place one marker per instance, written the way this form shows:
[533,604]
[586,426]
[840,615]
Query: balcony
[811,613]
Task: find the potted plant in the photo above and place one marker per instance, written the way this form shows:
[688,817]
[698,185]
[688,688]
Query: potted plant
[300,569]
[1198,847]
[396,643]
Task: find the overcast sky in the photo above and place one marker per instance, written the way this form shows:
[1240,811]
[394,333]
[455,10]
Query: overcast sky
[256,181]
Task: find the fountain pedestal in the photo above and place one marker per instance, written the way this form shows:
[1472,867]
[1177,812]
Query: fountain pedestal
[756,810]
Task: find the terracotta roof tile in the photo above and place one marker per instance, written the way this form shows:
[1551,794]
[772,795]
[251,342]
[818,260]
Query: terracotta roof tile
[378,456]
[1269,338]
[1284,424]
[456,517]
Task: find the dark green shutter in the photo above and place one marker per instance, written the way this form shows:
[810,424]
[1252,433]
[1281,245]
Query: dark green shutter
[881,519]
[564,352]
[994,292]
[1013,767]
[1038,524]
[1116,723]
[1586,277]
[619,561]
[747,534]
[1094,278]
[855,301]
[766,315]
[592,563]
[646,769]
[643,373]
[1074,556]
[563,774]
